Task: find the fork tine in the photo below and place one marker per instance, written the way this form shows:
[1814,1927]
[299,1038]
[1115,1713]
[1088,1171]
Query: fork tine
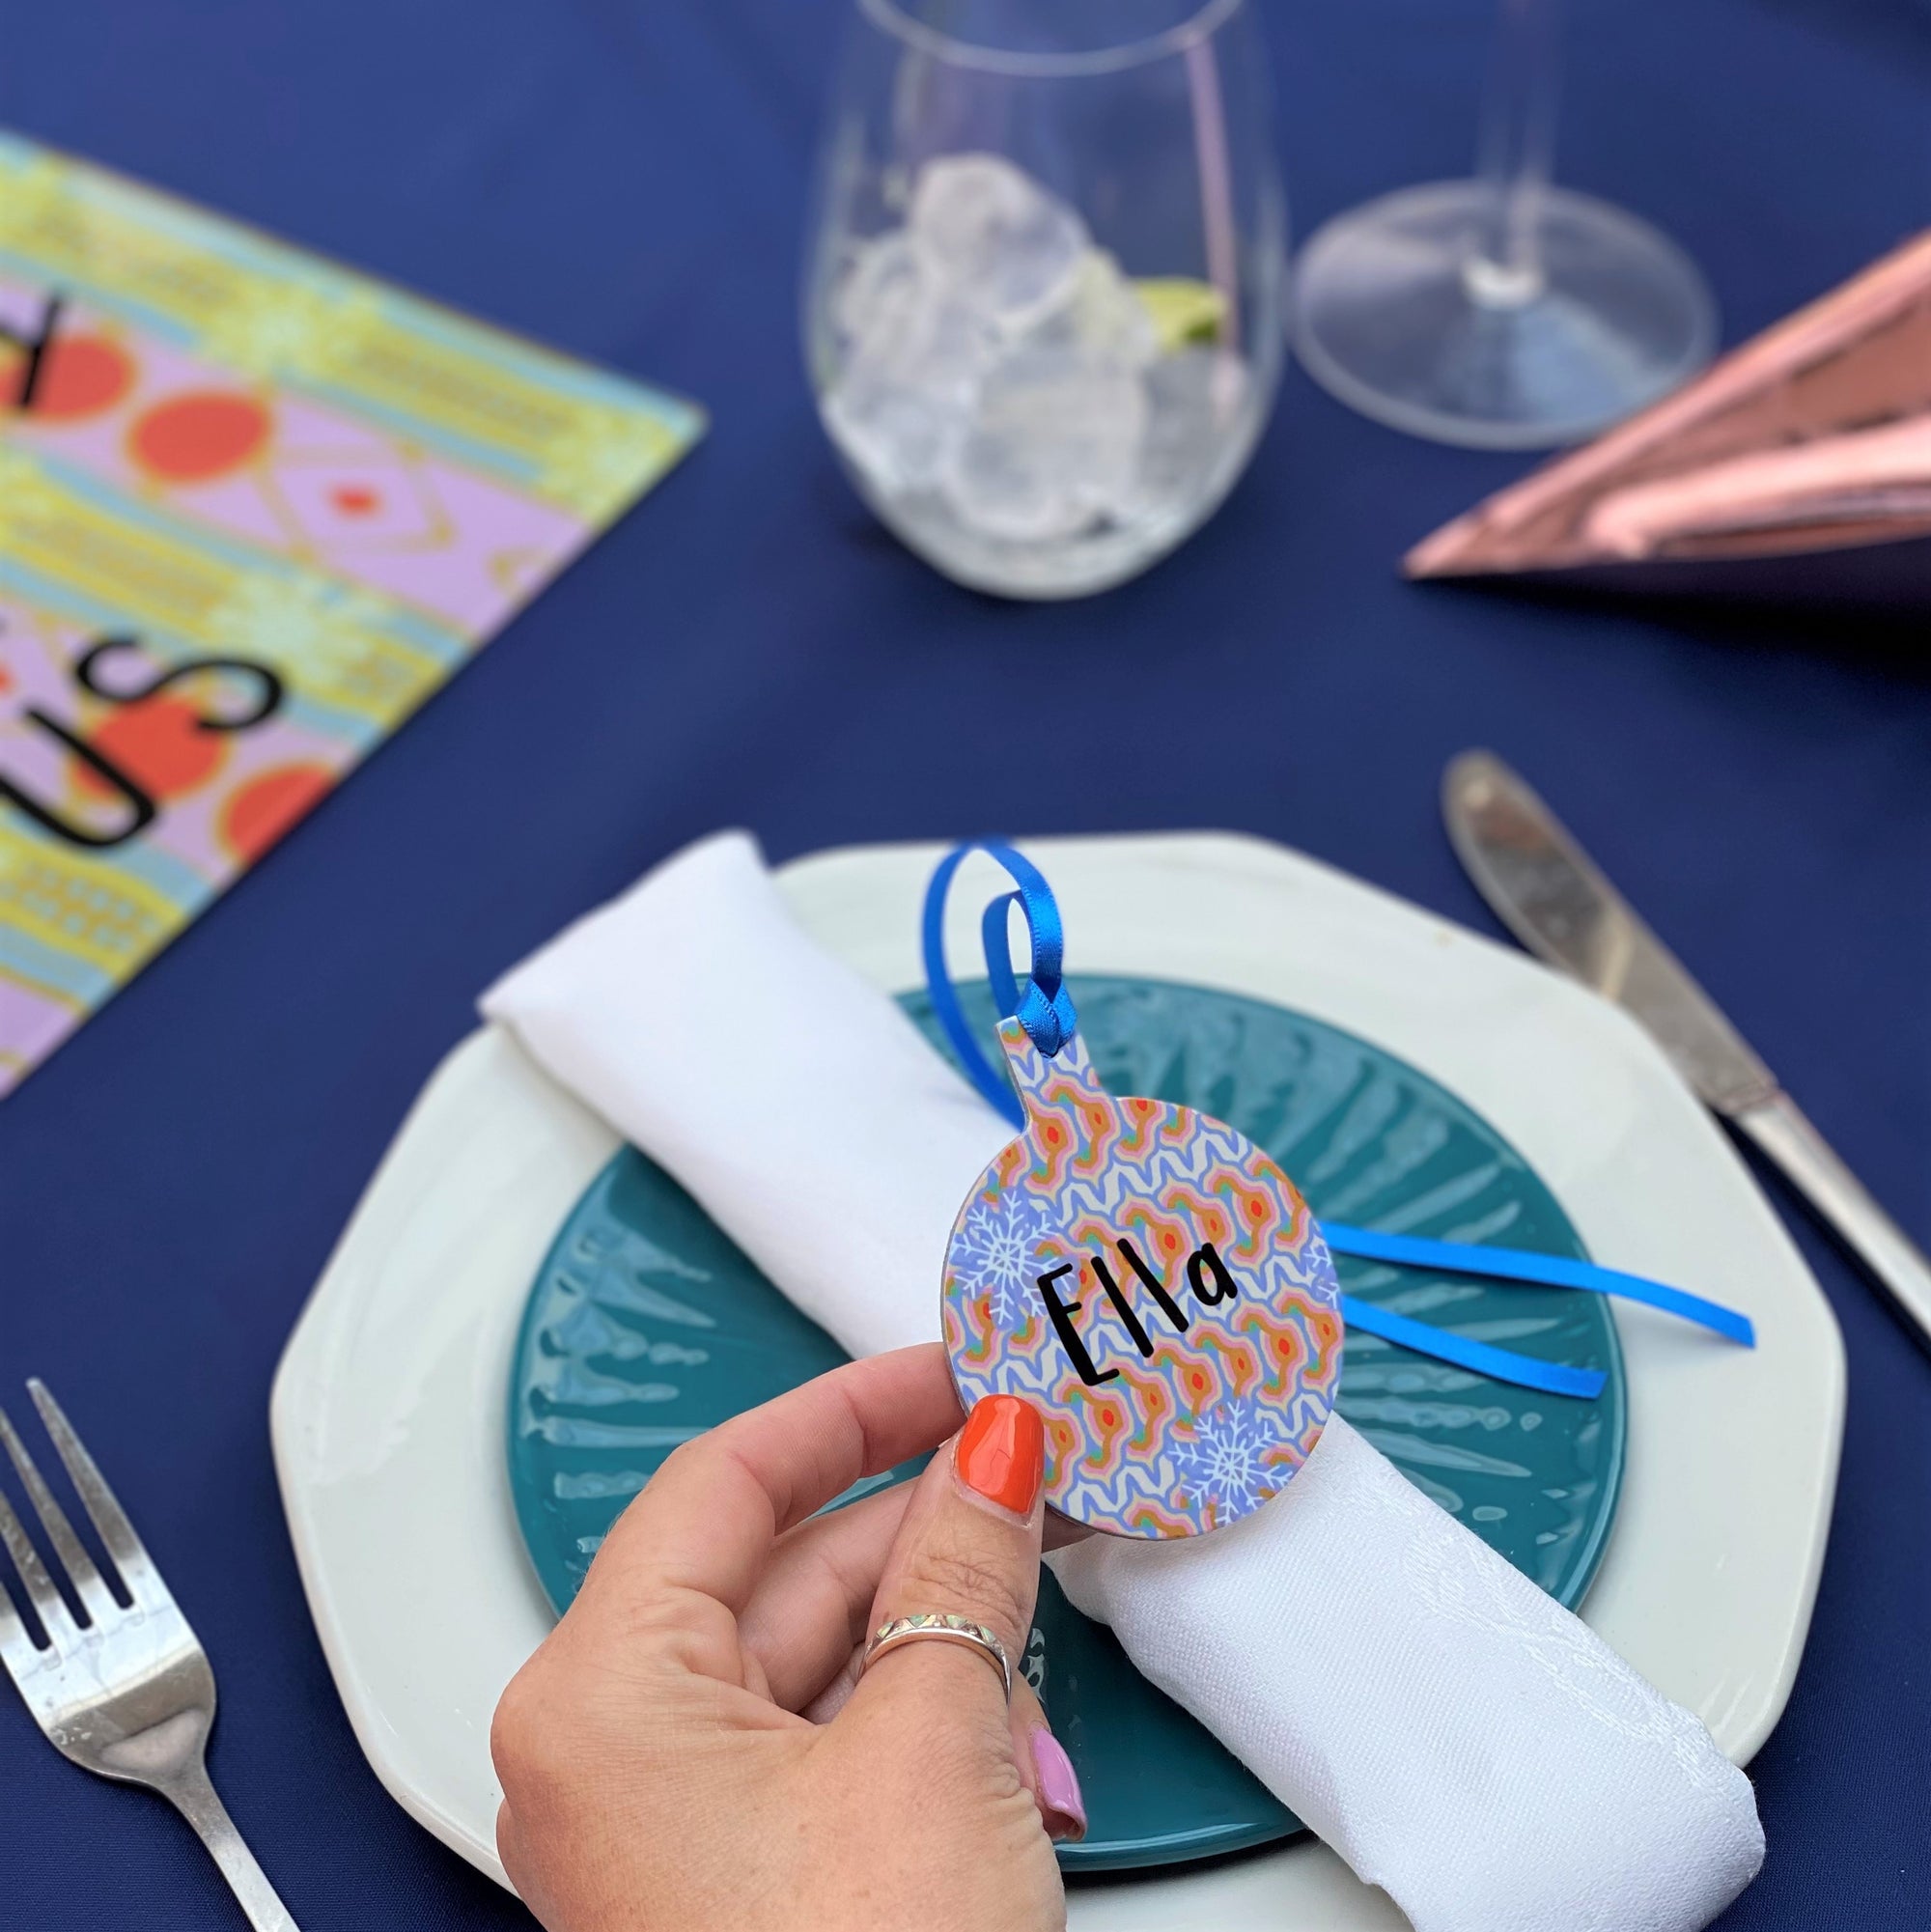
[117,1533]
[16,1648]
[33,1573]
[67,1546]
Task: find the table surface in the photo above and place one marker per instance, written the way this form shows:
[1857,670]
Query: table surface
[628,179]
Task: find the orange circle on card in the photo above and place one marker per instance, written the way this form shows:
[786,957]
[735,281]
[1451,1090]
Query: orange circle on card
[200,436]
[262,809]
[355,500]
[81,376]
[159,744]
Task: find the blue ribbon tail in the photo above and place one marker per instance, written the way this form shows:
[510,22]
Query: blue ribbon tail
[1546,1270]
[1526,1371]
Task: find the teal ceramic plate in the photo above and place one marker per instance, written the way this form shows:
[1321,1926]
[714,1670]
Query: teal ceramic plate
[646,1325]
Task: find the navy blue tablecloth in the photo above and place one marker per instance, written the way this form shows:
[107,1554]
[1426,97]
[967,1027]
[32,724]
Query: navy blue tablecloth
[628,178]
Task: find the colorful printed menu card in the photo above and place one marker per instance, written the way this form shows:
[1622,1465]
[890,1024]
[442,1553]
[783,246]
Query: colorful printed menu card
[254,509]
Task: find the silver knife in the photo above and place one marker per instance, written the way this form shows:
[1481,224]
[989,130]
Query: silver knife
[1551,896]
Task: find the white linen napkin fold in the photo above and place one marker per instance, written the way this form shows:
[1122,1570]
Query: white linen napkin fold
[1452,1732]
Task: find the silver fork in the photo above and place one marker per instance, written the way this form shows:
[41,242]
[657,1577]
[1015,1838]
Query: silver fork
[125,1690]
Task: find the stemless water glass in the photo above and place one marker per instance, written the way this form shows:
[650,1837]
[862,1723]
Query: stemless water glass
[1042,305]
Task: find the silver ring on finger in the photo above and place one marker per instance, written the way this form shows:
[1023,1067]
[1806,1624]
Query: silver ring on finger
[943,1630]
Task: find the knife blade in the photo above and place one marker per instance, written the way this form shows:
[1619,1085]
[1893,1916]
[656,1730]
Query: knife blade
[1555,899]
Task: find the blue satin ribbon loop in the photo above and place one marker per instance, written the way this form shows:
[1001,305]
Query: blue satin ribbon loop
[1044,1008]
[993,931]
[1043,1005]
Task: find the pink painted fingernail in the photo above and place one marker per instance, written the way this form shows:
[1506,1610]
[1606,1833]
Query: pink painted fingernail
[1058,1789]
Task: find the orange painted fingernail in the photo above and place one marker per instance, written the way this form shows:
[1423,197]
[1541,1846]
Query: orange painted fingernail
[1002,1452]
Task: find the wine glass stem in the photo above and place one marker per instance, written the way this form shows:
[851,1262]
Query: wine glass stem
[1517,143]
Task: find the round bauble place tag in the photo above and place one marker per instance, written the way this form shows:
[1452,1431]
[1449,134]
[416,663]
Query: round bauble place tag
[1157,1288]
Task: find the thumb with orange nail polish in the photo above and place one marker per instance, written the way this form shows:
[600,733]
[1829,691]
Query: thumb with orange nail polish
[1002,1452]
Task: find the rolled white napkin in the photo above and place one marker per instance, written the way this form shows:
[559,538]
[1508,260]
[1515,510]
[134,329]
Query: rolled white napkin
[1453,1733]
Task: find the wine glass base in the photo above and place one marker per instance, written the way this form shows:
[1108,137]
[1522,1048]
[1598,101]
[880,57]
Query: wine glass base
[1396,314]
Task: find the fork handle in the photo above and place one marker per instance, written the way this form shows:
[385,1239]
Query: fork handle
[194,1796]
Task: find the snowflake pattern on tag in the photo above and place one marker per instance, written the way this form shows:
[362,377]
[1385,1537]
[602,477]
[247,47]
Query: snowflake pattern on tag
[1157,1288]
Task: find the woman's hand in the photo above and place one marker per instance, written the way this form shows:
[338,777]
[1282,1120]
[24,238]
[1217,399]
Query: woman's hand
[695,1747]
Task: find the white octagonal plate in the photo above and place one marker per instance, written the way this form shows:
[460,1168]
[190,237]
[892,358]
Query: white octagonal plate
[388,1409]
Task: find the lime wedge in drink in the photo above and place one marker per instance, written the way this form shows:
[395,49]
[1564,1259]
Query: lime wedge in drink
[1183,311]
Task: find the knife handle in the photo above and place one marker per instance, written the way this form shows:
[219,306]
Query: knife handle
[1778,1127]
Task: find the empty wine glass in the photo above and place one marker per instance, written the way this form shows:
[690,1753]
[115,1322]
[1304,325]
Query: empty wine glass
[1501,312]
[1042,305]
